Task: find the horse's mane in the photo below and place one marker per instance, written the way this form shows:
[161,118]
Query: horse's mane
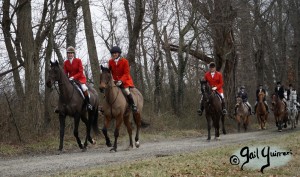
[105,69]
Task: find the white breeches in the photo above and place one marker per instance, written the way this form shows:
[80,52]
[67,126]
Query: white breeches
[222,95]
[84,87]
[126,91]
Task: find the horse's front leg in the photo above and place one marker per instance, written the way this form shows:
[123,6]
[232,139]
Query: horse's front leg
[223,124]
[217,127]
[75,131]
[208,119]
[87,123]
[129,129]
[138,123]
[116,133]
[62,120]
[104,131]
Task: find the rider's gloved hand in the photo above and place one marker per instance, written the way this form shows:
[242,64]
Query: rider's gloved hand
[119,83]
[214,88]
[71,78]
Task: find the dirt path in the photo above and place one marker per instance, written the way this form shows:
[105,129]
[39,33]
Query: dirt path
[52,164]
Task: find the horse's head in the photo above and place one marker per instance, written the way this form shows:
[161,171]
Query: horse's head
[239,100]
[205,89]
[261,96]
[105,78]
[54,74]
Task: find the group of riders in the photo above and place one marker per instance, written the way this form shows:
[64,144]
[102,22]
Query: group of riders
[283,94]
[119,67]
[120,70]
[215,80]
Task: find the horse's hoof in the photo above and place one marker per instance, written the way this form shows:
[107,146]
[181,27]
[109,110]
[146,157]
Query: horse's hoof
[279,130]
[109,144]
[113,149]
[285,126]
[93,141]
[137,144]
[217,138]
[84,149]
[208,139]
[264,128]
[60,151]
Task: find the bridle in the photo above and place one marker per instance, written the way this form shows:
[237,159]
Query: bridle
[108,87]
[59,82]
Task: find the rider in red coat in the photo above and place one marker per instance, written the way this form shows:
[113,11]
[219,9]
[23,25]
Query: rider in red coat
[120,70]
[215,80]
[74,70]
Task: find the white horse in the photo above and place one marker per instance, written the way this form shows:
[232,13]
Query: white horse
[292,109]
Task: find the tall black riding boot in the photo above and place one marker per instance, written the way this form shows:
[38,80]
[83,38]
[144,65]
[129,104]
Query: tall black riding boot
[200,110]
[131,103]
[267,107]
[224,111]
[87,101]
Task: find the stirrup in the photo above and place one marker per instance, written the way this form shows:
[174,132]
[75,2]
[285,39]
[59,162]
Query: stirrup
[134,108]
[89,107]
[199,112]
[224,111]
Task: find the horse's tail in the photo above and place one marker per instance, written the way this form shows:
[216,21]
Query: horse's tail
[95,122]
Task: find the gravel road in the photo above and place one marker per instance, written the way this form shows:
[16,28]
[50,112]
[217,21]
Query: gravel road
[43,165]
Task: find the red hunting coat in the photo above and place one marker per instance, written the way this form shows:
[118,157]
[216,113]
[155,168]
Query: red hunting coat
[121,71]
[216,81]
[75,70]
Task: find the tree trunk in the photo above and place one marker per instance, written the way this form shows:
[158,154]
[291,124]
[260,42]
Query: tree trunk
[6,22]
[171,75]
[71,11]
[88,27]
[133,32]
[225,54]
[32,111]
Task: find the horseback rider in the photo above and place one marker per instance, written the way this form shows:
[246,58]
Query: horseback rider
[215,80]
[289,91]
[74,70]
[261,89]
[120,70]
[279,91]
[243,94]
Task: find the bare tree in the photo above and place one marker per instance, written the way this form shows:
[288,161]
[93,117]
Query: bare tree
[91,42]
[134,28]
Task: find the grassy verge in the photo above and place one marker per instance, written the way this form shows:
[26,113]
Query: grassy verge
[211,162]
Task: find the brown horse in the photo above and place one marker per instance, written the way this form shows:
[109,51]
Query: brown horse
[213,109]
[116,106]
[72,103]
[242,114]
[280,112]
[261,111]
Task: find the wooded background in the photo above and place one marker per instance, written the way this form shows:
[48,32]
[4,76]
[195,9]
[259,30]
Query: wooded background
[167,42]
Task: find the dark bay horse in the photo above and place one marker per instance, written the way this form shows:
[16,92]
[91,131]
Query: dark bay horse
[71,103]
[280,112]
[116,107]
[261,111]
[213,109]
[242,114]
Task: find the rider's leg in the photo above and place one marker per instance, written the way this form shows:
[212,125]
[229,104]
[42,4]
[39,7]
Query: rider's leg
[200,110]
[130,99]
[86,95]
[249,106]
[224,111]
[267,107]
[255,105]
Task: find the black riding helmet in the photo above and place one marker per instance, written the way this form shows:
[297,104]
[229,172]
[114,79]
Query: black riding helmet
[115,49]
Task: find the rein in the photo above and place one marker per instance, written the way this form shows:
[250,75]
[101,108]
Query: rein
[59,82]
